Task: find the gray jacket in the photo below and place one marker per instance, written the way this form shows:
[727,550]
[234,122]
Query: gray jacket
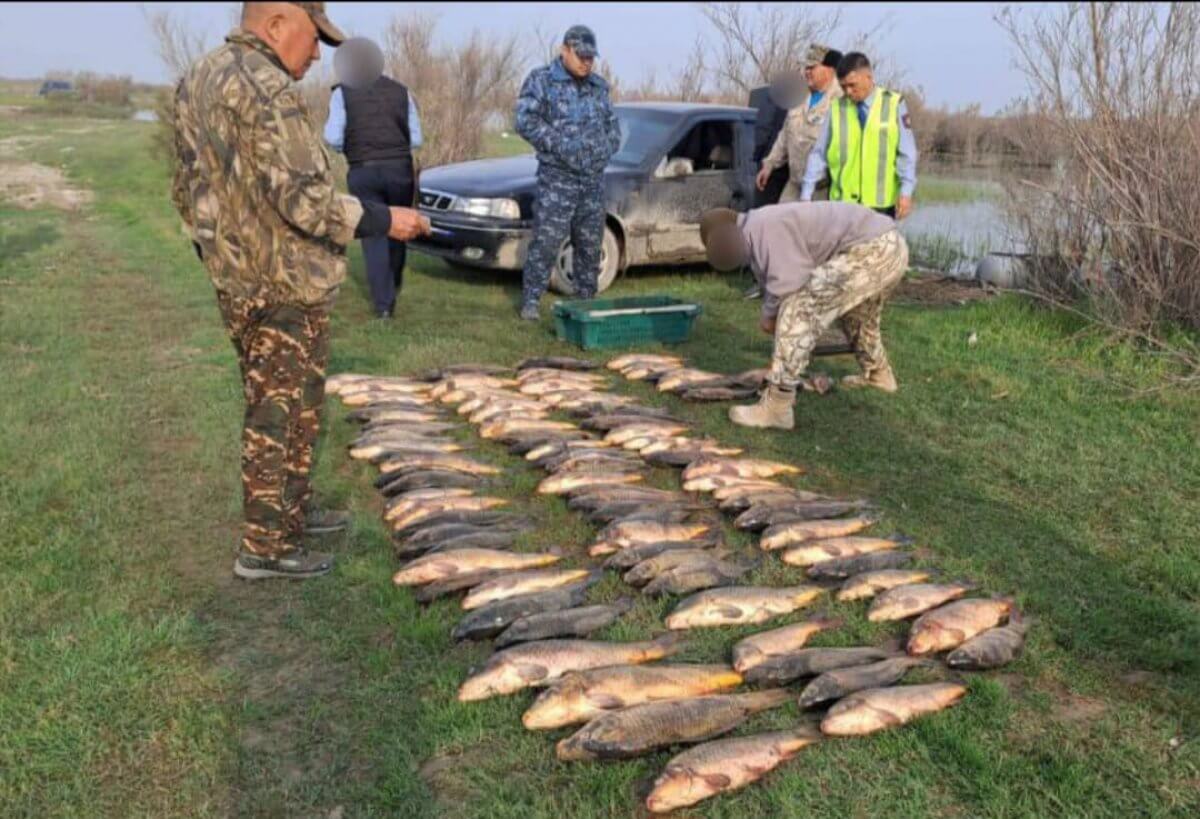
[787,242]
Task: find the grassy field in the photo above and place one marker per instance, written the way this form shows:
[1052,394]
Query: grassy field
[140,680]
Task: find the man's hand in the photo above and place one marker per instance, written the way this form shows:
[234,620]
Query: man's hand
[407,224]
[767,325]
[764,176]
[903,207]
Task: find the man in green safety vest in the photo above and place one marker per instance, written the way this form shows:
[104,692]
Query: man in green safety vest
[867,146]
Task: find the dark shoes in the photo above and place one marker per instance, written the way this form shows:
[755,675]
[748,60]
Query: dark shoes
[384,314]
[298,564]
[530,312]
[755,292]
[325,521]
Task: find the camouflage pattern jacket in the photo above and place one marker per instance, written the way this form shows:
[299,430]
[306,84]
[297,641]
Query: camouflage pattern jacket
[800,132]
[253,182]
[569,122]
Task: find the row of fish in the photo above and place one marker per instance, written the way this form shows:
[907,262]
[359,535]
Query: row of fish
[671,374]
[824,536]
[666,542]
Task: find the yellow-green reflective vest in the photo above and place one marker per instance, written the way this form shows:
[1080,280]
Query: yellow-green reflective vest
[862,160]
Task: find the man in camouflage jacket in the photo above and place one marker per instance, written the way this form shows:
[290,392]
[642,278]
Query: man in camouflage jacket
[565,113]
[254,188]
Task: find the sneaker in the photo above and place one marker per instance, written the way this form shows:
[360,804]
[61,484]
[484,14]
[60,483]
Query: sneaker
[298,564]
[325,521]
[755,292]
[530,312]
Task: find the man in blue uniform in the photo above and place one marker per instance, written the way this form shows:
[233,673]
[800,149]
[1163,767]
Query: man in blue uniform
[565,113]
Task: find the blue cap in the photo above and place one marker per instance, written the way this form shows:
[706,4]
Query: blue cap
[581,40]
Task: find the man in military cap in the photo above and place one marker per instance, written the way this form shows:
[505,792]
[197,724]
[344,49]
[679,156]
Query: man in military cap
[817,262]
[565,113]
[254,188]
[804,123]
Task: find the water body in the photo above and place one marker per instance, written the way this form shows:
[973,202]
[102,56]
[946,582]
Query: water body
[952,236]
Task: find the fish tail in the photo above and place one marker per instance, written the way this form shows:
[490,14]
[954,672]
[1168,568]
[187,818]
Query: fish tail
[666,645]
[826,620]
[771,698]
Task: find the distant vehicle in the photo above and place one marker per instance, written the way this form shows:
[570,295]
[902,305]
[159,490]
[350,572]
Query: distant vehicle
[676,161]
[54,87]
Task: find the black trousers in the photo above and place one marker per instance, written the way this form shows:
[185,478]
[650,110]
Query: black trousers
[775,183]
[391,183]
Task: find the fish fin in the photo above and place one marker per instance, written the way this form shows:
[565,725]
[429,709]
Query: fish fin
[902,539]
[729,611]
[532,672]
[717,781]
[606,701]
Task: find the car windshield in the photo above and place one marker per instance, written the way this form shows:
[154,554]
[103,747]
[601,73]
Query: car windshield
[641,133]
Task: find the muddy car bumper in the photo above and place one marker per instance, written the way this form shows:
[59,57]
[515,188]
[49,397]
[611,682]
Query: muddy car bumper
[475,242]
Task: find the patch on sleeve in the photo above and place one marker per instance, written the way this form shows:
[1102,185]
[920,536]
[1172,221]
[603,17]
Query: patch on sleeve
[906,121]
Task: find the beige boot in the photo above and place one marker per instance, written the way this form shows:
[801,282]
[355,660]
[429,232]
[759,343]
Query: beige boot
[883,379]
[774,409]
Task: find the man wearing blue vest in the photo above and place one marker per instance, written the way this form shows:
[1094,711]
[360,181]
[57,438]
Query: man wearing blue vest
[377,127]
[867,145]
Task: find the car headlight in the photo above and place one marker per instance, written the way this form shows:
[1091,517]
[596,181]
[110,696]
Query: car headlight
[497,208]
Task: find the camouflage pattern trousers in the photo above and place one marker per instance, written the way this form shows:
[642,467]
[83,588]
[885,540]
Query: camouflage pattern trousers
[282,351]
[568,207]
[852,287]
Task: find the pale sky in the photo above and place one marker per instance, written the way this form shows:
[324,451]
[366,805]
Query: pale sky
[955,51]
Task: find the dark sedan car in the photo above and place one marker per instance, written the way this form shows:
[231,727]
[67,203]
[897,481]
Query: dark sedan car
[676,161]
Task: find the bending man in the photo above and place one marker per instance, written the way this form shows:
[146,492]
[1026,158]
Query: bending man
[817,262]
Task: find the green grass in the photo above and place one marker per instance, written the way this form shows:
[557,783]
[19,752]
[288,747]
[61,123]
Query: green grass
[139,679]
[951,189]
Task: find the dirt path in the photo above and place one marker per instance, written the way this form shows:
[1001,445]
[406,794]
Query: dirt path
[283,687]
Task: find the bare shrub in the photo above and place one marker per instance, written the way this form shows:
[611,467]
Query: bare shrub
[103,89]
[178,46]
[1116,227]
[754,42]
[460,90]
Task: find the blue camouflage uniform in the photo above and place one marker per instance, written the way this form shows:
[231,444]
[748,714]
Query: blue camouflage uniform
[572,126]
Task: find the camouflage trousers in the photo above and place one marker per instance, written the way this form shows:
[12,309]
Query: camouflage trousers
[568,207]
[851,287]
[282,351]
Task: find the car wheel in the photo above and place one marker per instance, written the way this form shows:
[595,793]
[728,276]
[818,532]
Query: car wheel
[610,265]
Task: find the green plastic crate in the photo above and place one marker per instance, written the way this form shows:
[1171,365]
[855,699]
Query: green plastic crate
[582,322]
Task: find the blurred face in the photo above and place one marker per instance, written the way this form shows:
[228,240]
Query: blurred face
[818,76]
[578,67]
[292,35]
[727,249]
[858,84]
